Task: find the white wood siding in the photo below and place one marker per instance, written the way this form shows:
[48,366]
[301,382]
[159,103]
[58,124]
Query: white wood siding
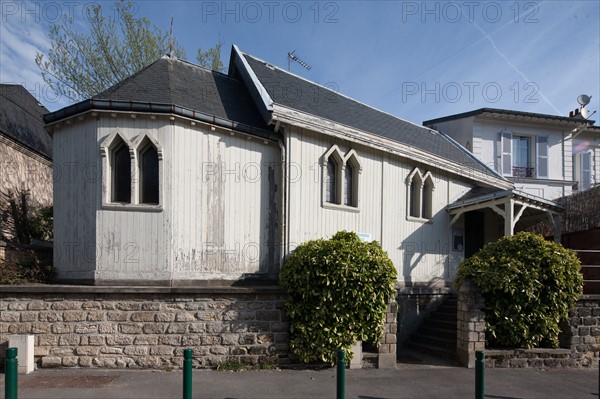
[76,177]
[225,193]
[420,251]
[218,216]
[134,244]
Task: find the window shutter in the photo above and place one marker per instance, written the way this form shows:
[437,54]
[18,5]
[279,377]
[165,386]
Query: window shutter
[506,148]
[542,157]
[586,170]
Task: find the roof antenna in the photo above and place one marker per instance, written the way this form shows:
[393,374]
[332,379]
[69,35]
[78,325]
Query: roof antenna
[292,57]
[171,55]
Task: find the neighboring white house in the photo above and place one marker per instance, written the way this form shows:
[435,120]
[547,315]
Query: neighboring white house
[547,156]
[184,175]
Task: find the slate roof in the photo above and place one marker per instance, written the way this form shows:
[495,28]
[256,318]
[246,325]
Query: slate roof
[21,119]
[172,81]
[174,86]
[294,92]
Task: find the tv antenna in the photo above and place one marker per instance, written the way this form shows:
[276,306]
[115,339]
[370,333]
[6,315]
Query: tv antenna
[171,55]
[292,57]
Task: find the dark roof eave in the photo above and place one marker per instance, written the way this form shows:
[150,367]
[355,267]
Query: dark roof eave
[507,112]
[156,108]
[508,193]
[27,146]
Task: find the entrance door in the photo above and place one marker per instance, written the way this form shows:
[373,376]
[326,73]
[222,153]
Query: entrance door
[473,232]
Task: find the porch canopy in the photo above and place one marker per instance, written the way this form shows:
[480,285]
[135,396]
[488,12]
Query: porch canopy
[514,206]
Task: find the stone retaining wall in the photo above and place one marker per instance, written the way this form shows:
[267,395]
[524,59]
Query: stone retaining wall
[580,340]
[147,327]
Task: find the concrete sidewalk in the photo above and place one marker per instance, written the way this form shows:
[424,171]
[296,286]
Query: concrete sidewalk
[408,381]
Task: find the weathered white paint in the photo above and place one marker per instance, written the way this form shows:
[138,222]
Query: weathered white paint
[421,251]
[218,216]
[77,177]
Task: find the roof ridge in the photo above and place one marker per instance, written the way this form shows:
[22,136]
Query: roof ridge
[339,93]
[203,68]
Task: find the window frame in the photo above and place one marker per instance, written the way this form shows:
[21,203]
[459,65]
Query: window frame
[420,188]
[341,162]
[107,147]
[537,160]
[143,146]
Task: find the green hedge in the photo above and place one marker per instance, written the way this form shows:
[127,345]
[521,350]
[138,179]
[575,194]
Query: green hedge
[529,285]
[338,291]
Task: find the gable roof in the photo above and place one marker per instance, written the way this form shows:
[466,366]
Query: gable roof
[174,86]
[291,91]
[21,119]
[515,115]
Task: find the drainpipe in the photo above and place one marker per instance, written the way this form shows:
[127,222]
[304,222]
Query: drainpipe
[284,171]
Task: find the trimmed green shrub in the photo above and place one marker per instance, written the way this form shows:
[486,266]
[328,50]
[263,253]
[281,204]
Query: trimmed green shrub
[338,291]
[529,285]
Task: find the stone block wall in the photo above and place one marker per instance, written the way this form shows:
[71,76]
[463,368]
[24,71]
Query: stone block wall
[582,333]
[580,340]
[470,324]
[147,327]
[386,358]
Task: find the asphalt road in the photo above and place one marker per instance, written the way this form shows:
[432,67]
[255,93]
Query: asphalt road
[407,381]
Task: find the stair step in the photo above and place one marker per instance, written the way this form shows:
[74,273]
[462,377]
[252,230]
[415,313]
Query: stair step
[370,360]
[446,333]
[439,325]
[436,336]
[446,308]
[443,316]
[430,350]
[438,342]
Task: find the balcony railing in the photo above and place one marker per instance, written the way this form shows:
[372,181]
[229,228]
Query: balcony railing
[523,171]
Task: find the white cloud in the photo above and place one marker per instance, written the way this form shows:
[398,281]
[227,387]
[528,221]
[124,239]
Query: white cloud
[21,37]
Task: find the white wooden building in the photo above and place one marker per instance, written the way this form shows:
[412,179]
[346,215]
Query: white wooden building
[185,176]
[548,156]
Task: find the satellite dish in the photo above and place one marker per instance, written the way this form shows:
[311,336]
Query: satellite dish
[584,100]
[585,113]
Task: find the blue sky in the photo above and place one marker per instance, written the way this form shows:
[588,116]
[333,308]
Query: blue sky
[415,59]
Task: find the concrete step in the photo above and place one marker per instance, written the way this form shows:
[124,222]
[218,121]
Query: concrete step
[430,350]
[435,331]
[369,360]
[438,342]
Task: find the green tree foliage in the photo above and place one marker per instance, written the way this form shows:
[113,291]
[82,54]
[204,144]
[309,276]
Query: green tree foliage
[21,222]
[529,285]
[338,291]
[80,65]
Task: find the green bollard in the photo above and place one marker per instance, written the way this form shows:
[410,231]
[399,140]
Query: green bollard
[187,374]
[341,374]
[11,373]
[479,375]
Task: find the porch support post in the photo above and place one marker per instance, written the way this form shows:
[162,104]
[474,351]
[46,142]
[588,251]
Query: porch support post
[555,222]
[509,212]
